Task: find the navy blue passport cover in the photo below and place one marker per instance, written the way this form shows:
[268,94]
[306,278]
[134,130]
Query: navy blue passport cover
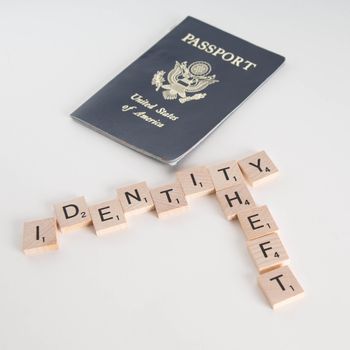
[177,92]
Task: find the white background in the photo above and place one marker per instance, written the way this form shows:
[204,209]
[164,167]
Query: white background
[187,282]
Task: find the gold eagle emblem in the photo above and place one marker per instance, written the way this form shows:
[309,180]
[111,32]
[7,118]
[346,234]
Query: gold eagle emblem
[183,80]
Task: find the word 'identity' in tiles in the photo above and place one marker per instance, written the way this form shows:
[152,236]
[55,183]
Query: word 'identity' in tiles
[169,199]
[73,214]
[280,286]
[225,175]
[270,257]
[135,199]
[234,199]
[39,236]
[268,252]
[195,181]
[108,217]
[257,222]
[258,168]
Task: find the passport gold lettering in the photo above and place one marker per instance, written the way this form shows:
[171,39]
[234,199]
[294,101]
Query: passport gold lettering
[217,51]
[149,105]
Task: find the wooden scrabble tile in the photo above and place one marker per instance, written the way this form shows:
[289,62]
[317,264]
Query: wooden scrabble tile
[280,286]
[235,199]
[72,215]
[258,168]
[135,199]
[108,217]
[169,199]
[195,181]
[257,222]
[268,252]
[39,236]
[225,175]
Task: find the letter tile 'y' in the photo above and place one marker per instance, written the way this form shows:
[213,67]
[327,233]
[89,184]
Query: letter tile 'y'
[258,168]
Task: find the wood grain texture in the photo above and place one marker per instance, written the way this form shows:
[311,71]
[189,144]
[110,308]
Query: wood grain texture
[280,286]
[39,236]
[72,215]
[234,199]
[135,199]
[257,222]
[268,252]
[225,175]
[258,168]
[169,199]
[108,217]
[195,181]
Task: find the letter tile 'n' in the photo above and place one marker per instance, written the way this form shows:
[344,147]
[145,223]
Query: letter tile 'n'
[72,215]
[135,199]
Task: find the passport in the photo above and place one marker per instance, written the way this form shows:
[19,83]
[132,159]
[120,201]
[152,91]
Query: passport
[175,94]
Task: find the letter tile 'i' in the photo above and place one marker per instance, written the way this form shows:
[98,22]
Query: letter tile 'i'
[169,199]
[108,217]
[258,168]
[195,181]
[225,175]
[72,215]
[135,199]
[280,286]
[39,236]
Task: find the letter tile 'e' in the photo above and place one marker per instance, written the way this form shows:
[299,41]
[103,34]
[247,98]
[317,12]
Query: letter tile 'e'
[268,252]
[280,286]
[72,215]
[39,236]
[108,217]
[195,181]
[225,175]
[257,222]
[169,199]
[235,199]
[135,199]
[258,168]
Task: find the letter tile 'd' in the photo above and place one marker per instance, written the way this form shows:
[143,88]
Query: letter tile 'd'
[72,215]
[169,199]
